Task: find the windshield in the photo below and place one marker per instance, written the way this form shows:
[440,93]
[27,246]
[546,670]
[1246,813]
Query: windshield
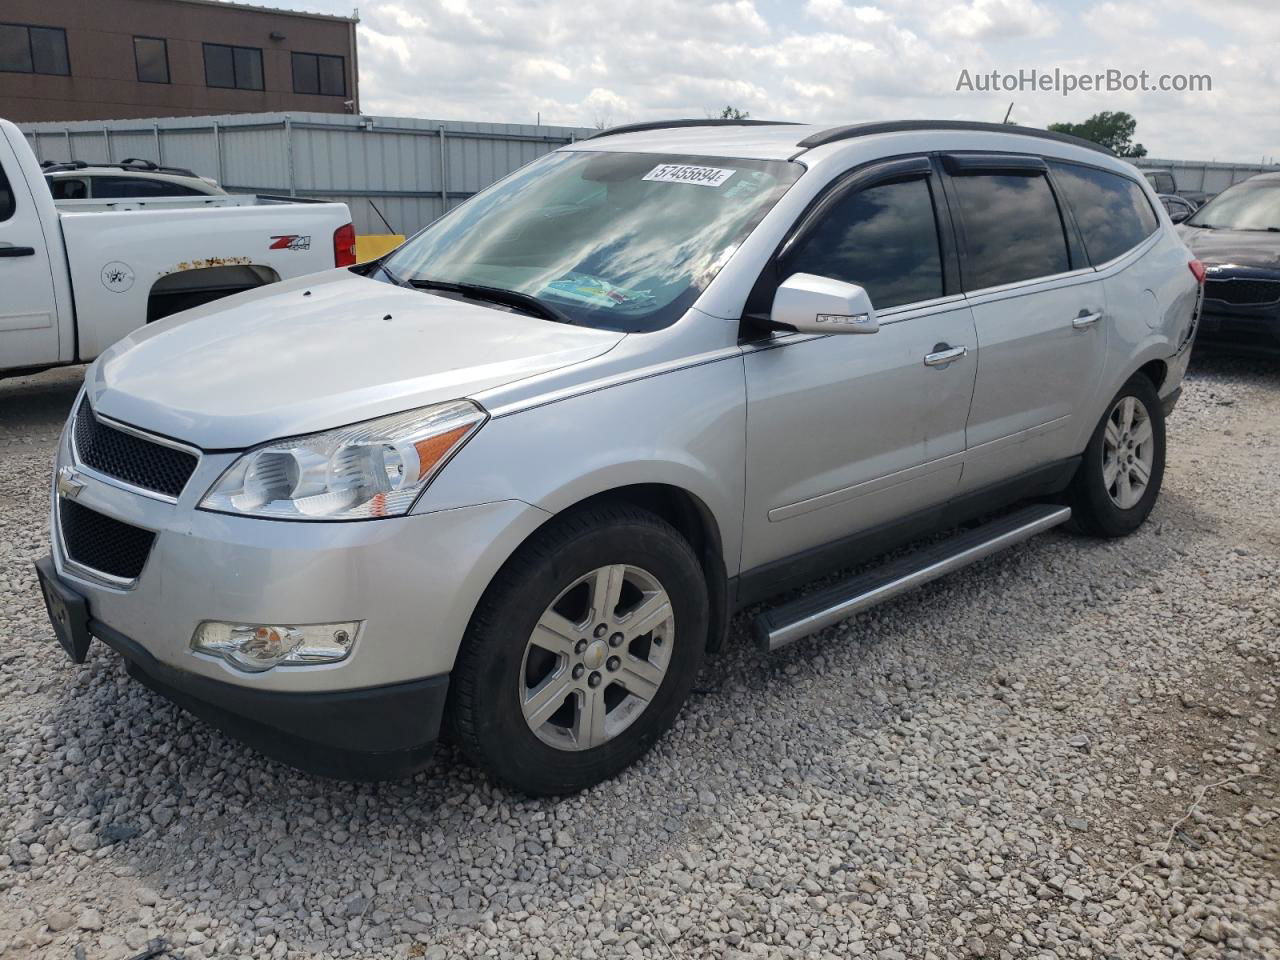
[619,241]
[1246,206]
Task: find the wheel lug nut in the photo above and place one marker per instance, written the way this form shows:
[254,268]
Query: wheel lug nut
[593,680]
[578,671]
[579,647]
[615,640]
[600,631]
[614,663]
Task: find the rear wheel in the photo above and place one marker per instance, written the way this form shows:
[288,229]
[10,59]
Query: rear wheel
[1119,478]
[581,652]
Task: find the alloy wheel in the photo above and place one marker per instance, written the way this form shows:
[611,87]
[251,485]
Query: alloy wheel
[597,657]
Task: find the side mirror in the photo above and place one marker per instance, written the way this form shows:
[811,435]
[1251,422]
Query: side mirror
[1180,214]
[811,304]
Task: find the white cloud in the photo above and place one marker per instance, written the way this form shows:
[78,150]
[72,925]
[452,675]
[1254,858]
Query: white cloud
[824,60]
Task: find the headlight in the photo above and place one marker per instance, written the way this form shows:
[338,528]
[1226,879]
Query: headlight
[371,469]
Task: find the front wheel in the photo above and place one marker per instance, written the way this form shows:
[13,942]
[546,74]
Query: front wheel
[1119,478]
[581,652]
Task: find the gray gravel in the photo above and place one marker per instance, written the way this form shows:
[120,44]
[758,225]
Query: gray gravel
[1068,751]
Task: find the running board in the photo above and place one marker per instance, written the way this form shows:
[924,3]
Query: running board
[799,618]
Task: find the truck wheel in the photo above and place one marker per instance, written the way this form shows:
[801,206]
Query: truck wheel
[581,652]
[1123,466]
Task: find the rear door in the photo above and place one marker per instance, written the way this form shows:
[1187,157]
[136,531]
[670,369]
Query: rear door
[845,432]
[28,313]
[1039,310]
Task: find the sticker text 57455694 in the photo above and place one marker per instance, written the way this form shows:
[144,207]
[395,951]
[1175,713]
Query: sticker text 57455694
[684,173]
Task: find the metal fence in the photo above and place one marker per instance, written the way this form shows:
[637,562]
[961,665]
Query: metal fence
[396,174]
[1205,176]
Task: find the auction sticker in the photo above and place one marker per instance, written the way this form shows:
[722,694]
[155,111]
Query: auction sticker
[683,173]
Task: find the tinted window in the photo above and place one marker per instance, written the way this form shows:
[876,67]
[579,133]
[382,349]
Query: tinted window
[118,187]
[68,188]
[1112,211]
[248,62]
[152,58]
[6,198]
[319,73]
[1012,229]
[26,49]
[237,67]
[883,238]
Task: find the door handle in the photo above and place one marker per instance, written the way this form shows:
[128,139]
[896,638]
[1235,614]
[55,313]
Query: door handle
[941,357]
[17,251]
[1086,320]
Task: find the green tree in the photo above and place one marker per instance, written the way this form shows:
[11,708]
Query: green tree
[1112,130]
[733,113]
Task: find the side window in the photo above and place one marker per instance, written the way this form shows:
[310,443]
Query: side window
[68,188]
[1012,229]
[884,238]
[1112,211]
[7,204]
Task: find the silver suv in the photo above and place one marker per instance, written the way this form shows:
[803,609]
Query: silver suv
[514,479]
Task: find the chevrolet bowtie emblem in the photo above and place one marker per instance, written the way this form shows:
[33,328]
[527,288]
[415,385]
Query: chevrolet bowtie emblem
[69,485]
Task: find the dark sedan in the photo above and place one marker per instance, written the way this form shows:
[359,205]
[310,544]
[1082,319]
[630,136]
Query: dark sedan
[1237,237]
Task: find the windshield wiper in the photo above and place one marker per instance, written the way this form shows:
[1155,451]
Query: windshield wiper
[507,298]
[398,281]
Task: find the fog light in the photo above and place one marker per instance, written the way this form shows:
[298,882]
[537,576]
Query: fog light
[256,647]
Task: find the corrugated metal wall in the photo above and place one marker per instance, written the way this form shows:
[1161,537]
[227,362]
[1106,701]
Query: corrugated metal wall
[387,165]
[1205,176]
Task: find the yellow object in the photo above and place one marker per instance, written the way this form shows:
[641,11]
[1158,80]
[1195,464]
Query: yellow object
[374,245]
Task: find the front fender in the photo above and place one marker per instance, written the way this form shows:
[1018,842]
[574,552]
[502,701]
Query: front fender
[685,429]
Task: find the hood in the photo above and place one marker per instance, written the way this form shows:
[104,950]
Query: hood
[1241,248]
[320,352]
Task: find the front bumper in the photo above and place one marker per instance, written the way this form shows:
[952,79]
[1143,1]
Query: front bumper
[371,733]
[412,583]
[1242,328]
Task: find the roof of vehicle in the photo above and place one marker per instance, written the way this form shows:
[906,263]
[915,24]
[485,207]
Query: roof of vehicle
[780,140]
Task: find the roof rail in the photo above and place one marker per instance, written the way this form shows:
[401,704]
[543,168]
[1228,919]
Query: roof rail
[670,124]
[852,130]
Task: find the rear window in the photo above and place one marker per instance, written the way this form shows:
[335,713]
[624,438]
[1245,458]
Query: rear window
[123,187]
[1112,211]
[1012,229]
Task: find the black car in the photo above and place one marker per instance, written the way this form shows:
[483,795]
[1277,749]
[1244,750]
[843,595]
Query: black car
[1237,238]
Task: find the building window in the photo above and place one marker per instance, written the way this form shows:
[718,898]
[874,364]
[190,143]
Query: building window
[319,73]
[26,49]
[151,55]
[239,68]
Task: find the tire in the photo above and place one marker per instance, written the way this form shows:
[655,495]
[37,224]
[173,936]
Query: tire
[631,683]
[1101,503]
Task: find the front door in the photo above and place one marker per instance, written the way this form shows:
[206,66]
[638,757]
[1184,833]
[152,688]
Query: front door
[28,314]
[848,432]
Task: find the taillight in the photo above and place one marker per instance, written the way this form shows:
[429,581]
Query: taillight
[344,246]
[1197,268]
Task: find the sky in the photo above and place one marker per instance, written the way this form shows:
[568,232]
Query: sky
[585,63]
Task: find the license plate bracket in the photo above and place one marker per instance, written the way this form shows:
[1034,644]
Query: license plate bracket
[68,612]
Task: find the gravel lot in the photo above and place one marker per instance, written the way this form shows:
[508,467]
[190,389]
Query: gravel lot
[1070,750]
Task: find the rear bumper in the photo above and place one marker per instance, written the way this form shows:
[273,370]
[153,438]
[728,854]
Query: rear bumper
[372,733]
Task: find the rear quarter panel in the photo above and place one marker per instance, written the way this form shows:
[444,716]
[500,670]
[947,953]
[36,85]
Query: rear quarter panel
[1151,299]
[116,258]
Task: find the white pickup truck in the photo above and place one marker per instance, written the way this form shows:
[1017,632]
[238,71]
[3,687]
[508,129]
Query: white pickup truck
[75,276]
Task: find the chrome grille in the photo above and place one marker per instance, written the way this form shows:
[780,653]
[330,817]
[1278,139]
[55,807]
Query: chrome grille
[130,458]
[1242,291]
